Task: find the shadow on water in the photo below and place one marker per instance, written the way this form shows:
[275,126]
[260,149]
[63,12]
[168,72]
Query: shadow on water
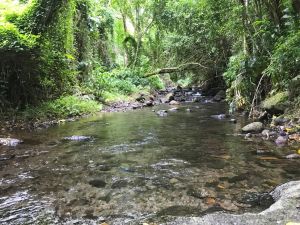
[138,167]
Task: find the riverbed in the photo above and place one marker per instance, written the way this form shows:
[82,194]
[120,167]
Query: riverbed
[139,168]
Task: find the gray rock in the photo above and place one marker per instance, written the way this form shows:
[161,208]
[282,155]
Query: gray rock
[282,140]
[279,121]
[254,127]
[293,156]
[173,102]
[162,113]
[175,109]
[10,142]
[284,210]
[149,103]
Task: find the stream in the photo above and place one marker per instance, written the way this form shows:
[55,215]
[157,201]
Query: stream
[139,168]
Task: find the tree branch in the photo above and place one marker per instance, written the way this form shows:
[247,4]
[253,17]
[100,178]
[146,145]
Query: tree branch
[183,67]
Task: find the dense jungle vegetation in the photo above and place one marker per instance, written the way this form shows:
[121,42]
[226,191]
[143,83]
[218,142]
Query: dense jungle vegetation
[66,57]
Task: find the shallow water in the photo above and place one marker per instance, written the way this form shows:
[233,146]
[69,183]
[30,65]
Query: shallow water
[138,167]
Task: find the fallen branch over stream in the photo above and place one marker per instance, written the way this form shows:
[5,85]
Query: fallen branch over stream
[183,67]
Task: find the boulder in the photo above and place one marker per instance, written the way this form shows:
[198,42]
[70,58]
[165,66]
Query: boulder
[254,127]
[276,104]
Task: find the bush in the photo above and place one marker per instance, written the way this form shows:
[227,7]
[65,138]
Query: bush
[121,81]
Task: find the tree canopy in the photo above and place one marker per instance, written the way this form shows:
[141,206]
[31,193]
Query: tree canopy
[51,48]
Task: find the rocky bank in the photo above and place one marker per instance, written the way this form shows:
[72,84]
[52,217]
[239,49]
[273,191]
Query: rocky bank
[285,209]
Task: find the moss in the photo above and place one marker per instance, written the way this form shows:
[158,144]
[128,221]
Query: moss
[276,100]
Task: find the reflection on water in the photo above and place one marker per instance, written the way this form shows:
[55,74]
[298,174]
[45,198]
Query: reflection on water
[138,167]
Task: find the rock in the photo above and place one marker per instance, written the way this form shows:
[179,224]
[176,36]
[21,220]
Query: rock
[175,109]
[149,103]
[265,133]
[284,210]
[279,121]
[170,96]
[119,184]
[77,138]
[162,113]
[173,181]
[219,117]
[201,193]
[254,127]
[136,106]
[221,95]
[97,183]
[276,104]
[141,98]
[228,205]
[163,100]
[12,142]
[233,121]
[295,137]
[257,199]
[282,139]
[173,102]
[293,156]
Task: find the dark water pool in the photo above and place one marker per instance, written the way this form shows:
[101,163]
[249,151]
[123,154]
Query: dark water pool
[137,168]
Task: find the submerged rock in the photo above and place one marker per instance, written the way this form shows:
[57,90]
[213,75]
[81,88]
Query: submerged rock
[10,141]
[78,138]
[254,127]
[97,183]
[162,113]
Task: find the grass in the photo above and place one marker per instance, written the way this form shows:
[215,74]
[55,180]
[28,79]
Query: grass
[64,107]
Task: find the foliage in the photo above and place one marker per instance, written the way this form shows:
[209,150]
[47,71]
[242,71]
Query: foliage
[67,106]
[104,47]
[285,61]
[12,40]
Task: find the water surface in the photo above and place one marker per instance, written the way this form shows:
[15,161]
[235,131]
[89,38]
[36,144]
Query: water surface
[138,167]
